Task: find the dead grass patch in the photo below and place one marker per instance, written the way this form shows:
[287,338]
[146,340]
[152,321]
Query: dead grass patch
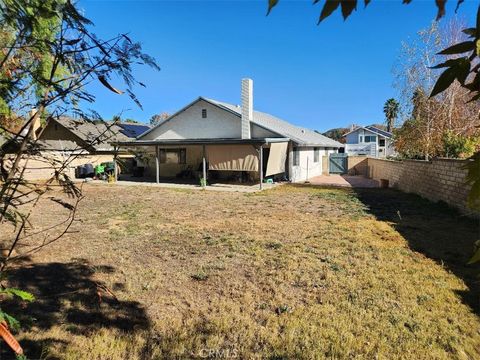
[293,272]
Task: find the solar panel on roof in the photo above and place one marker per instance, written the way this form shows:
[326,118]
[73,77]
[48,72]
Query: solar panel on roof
[380,131]
[133,130]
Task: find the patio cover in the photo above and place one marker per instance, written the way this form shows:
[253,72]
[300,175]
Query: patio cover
[232,157]
[277,158]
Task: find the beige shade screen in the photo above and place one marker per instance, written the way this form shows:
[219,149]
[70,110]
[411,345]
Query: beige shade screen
[232,157]
[277,158]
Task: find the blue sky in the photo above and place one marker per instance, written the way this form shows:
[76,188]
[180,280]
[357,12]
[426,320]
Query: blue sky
[320,77]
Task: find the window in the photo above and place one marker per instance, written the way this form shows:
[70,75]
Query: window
[173,156]
[370,138]
[296,157]
[381,142]
[204,113]
[316,154]
[361,138]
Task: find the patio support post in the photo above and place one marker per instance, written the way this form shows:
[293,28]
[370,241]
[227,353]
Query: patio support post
[204,165]
[260,166]
[290,161]
[157,165]
[115,169]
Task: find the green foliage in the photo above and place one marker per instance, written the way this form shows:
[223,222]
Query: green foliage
[458,146]
[36,23]
[348,6]
[12,322]
[473,178]
[203,182]
[465,68]
[391,109]
[24,295]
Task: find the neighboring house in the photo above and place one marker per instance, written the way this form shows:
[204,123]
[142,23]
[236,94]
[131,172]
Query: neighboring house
[78,141]
[70,135]
[370,141]
[233,139]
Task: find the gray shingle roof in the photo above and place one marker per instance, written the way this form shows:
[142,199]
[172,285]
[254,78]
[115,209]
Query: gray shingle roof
[297,134]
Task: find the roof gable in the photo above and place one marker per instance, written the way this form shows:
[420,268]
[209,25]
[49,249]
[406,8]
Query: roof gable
[269,122]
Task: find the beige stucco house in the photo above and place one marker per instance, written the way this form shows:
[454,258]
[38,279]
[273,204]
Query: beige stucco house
[226,140]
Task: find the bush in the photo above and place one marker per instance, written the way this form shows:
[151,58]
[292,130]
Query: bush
[458,146]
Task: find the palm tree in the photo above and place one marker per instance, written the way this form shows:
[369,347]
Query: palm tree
[390,109]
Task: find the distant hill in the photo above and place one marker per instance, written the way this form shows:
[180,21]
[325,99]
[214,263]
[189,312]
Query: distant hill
[336,134]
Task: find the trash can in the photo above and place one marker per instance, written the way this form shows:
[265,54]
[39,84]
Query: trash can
[89,170]
[80,172]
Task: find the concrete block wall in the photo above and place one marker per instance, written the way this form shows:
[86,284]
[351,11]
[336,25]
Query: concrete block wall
[357,165]
[436,180]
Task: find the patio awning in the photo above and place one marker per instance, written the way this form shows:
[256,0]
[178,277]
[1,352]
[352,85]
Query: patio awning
[232,157]
[217,141]
[277,158]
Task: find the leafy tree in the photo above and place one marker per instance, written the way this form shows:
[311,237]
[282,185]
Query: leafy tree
[48,56]
[391,109]
[465,69]
[427,119]
[158,118]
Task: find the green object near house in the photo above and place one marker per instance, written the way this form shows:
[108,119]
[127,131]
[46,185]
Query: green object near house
[99,169]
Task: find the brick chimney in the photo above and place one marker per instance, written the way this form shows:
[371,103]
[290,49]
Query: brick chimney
[247,107]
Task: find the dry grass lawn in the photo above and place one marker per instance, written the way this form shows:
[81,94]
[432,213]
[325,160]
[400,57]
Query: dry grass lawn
[290,273]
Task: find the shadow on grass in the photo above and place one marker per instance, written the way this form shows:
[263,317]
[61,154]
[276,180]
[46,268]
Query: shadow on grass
[433,229]
[67,295]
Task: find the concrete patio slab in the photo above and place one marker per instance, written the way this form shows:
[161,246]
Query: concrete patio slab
[173,185]
[344,181]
